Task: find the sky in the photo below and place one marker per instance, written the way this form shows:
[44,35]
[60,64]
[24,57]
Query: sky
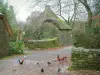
[24,8]
[21,9]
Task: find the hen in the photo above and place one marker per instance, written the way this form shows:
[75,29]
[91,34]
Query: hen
[48,63]
[37,63]
[59,70]
[61,58]
[42,70]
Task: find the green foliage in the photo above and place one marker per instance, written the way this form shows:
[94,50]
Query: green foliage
[12,21]
[78,38]
[3,7]
[14,36]
[45,31]
[94,29]
[82,39]
[45,43]
[85,59]
[31,32]
[16,47]
[11,18]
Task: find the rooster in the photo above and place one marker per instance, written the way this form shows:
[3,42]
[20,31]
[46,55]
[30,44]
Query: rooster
[21,61]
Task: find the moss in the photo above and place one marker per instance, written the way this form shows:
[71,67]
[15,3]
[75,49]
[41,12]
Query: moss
[85,59]
[84,68]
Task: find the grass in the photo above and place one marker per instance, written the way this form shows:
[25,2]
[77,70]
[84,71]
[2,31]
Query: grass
[14,55]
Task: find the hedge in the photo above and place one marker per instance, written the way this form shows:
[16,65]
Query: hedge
[45,43]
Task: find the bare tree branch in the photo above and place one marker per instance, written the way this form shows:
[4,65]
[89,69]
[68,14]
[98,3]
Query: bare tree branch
[87,7]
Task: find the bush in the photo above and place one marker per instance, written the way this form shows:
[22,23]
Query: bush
[85,59]
[45,43]
[82,39]
[78,38]
[16,47]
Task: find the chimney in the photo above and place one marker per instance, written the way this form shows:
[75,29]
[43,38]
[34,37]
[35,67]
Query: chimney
[47,6]
[11,7]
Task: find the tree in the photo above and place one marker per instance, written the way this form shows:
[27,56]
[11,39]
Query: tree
[13,23]
[89,11]
[96,6]
[3,7]
[60,7]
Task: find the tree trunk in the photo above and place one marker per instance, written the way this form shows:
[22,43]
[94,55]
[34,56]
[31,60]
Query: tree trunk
[87,7]
[89,15]
[89,18]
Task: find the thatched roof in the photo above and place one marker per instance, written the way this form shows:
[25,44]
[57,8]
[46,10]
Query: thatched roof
[49,16]
[60,25]
[6,24]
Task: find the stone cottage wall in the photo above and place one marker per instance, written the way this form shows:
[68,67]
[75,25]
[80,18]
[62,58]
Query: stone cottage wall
[3,40]
[65,37]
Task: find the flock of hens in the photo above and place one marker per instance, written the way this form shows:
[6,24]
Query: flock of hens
[42,70]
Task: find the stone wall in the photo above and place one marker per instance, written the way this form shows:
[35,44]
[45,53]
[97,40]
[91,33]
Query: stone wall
[85,59]
[3,40]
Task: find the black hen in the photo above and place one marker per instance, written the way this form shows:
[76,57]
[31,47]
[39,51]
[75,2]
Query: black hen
[37,63]
[48,63]
[42,70]
[59,70]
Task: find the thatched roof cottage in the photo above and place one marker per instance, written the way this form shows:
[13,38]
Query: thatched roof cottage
[49,18]
[5,31]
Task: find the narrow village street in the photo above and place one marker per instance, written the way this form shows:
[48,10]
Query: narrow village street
[11,66]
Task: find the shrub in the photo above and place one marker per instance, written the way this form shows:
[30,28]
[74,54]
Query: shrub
[16,47]
[82,39]
[45,43]
[85,59]
[78,38]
